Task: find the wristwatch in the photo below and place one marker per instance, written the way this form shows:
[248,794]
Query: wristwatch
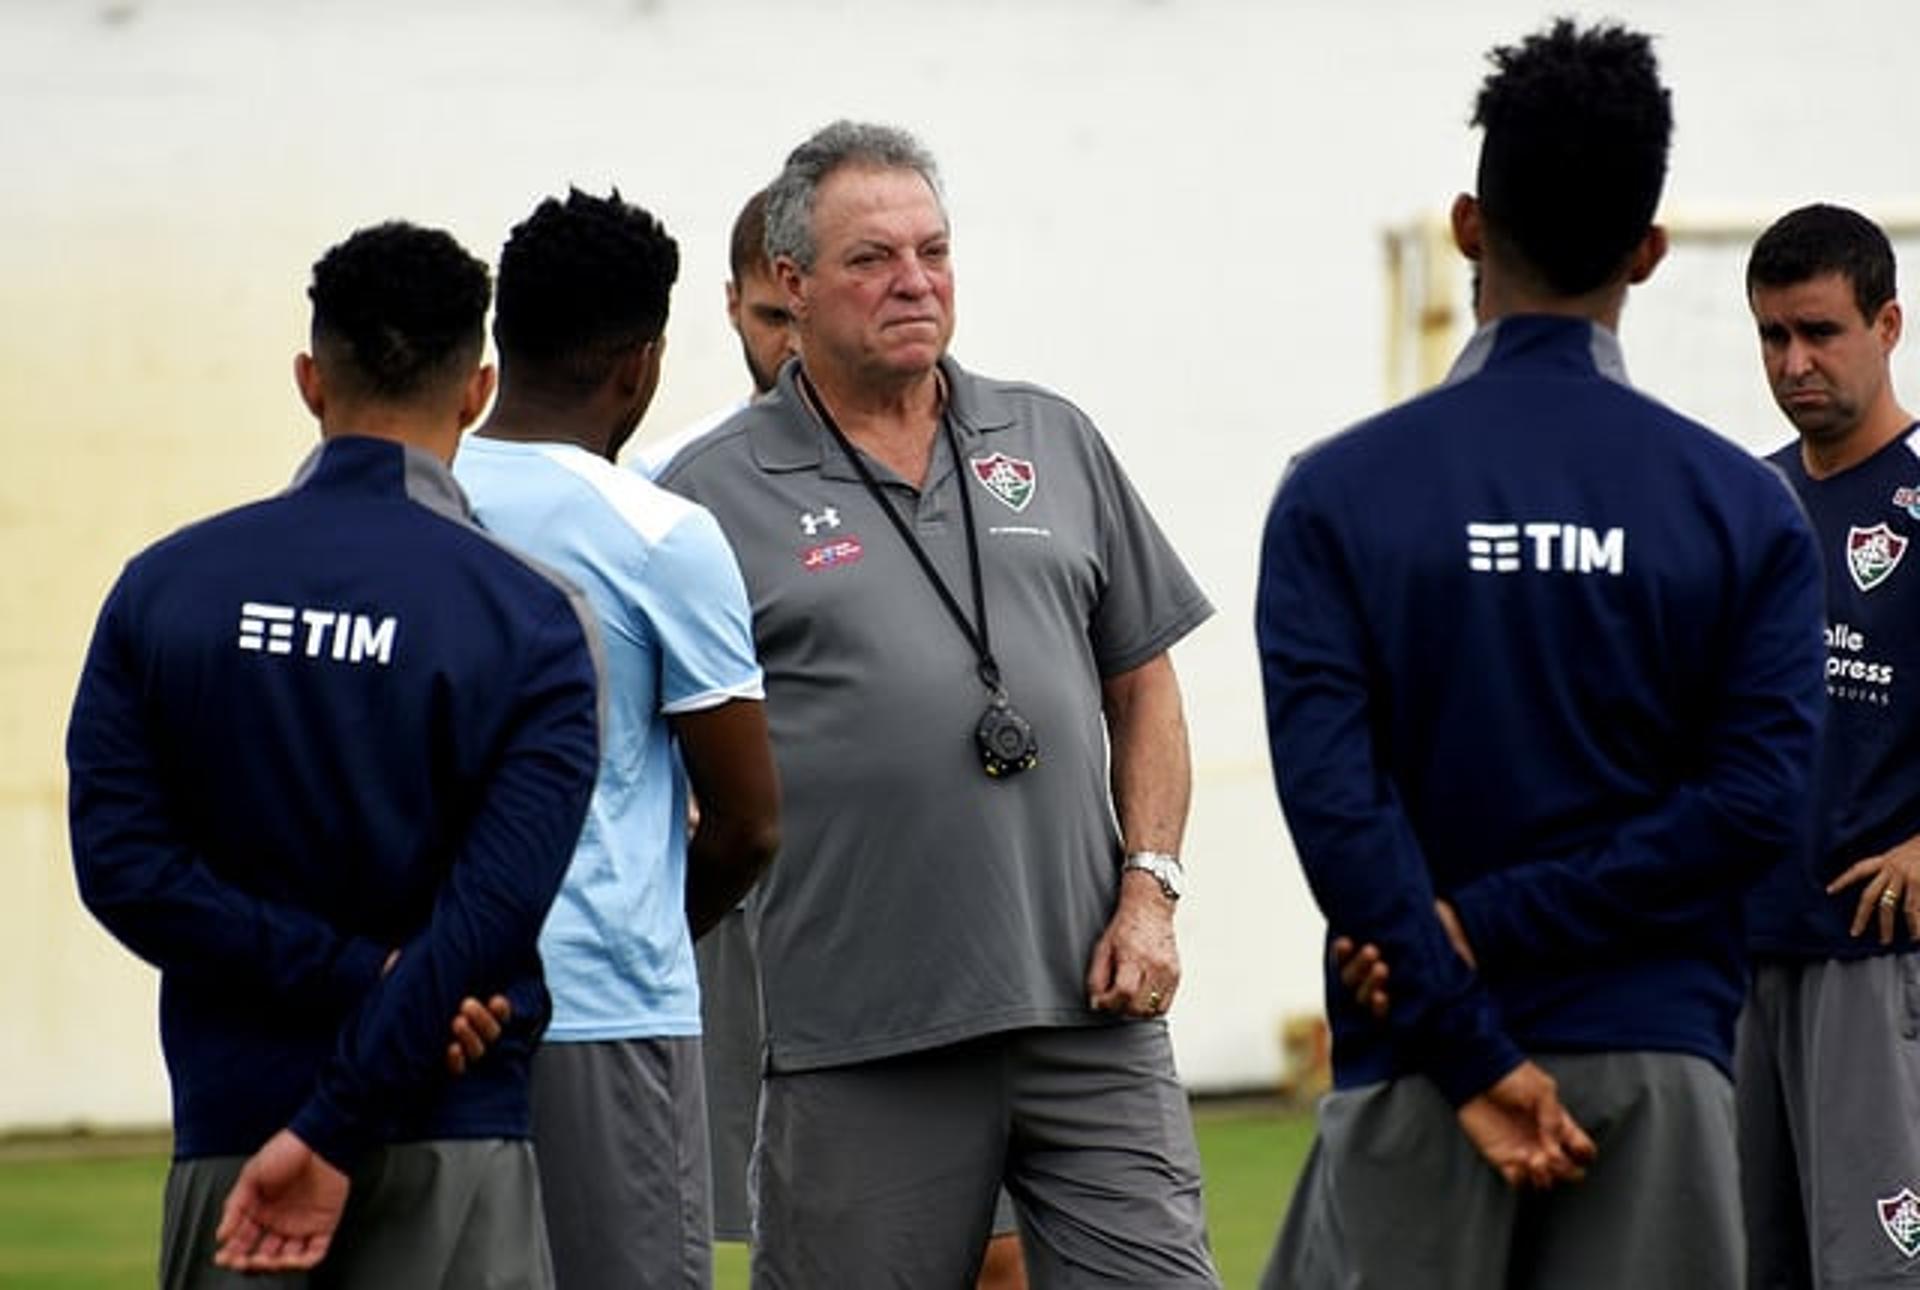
[1165,869]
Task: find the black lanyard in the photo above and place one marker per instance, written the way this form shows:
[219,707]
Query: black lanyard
[977,637]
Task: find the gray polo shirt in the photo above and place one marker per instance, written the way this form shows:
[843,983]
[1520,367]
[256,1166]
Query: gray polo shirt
[916,902]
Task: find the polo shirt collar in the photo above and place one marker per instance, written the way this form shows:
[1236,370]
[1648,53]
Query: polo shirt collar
[786,435]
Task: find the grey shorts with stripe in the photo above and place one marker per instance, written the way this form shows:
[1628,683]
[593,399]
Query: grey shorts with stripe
[883,1174]
[732,1048]
[449,1215]
[1829,1098]
[1394,1196]
[621,1128]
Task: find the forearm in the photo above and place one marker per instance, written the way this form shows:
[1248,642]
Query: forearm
[1662,878]
[730,766]
[1151,772]
[173,912]
[479,939]
[725,858]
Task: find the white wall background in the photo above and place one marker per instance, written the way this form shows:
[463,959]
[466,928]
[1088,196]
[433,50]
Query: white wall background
[1168,209]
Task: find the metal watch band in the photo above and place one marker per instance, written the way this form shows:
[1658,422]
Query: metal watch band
[1164,868]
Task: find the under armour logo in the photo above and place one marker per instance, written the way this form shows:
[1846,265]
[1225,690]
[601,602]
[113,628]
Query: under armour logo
[828,518]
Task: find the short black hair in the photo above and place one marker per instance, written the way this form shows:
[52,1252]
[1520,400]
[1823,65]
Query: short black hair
[398,309]
[748,250]
[1820,239]
[581,281]
[1577,131]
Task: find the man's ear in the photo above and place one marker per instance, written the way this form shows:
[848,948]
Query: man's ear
[639,368]
[312,387]
[792,283]
[656,357]
[653,359]
[473,398]
[1469,234]
[1887,324]
[1647,255]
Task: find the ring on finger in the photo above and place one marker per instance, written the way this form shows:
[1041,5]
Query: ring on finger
[1153,1001]
[1889,897]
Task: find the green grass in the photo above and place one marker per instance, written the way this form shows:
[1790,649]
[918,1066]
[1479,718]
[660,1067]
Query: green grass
[80,1224]
[90,1221]
[1249,1155]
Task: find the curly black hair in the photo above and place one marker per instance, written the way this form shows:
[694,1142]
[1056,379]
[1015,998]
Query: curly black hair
[1820,239]
[397,309]
[580,281]
[1577,131]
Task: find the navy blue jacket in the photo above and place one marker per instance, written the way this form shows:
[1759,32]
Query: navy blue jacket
[1867,791]
[311,731]
[1536,644]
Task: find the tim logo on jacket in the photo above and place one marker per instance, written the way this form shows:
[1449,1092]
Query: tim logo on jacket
[335,634]
[1545,546]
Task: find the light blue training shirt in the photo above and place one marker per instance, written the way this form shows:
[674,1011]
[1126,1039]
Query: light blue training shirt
[678,638]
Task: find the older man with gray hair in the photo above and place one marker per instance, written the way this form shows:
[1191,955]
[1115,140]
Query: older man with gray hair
[964,614]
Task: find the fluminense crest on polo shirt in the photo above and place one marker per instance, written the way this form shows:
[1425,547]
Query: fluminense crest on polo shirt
[1900,1220]
[1873,554]
[1007,478]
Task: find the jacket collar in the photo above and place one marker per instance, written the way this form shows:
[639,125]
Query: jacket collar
[358,462]
[1529,337]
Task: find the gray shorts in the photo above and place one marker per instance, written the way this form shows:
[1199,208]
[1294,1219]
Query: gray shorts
[884,1173]
[732,1050]
[449,1215]
[1829,1100]
[1393,1195]
[620,1126]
